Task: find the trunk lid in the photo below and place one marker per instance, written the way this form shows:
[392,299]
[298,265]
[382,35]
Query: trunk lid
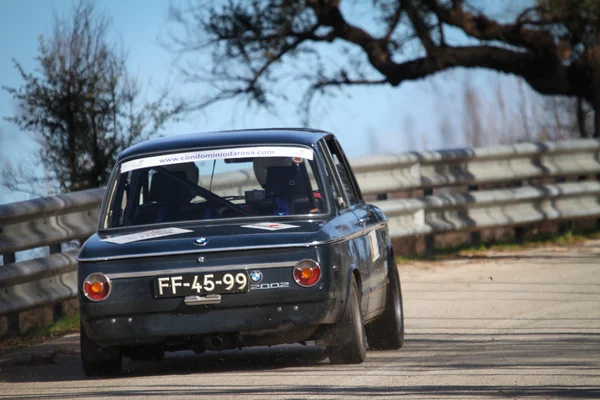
[221,237]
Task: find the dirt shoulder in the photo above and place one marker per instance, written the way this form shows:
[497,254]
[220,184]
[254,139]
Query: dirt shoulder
[40,353]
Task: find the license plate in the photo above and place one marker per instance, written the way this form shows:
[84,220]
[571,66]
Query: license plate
[201,284]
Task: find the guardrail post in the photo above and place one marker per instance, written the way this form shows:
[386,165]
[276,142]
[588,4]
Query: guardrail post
[475,239]
[520,233]
[563,226]
[429,239]
[597,177]
[14,323]
[58,310]
[429,246]
[475,236]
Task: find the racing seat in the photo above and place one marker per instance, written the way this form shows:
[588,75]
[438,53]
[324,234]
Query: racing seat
[166,196]
[287,192]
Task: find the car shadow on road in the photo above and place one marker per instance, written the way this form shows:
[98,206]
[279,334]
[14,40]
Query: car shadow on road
[68,367]
[252,359]
[444,365]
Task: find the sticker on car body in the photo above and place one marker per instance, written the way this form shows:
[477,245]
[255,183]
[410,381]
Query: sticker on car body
[270,226]
[374,245]
[136,237]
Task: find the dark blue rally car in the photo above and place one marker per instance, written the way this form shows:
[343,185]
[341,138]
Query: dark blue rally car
[231,239]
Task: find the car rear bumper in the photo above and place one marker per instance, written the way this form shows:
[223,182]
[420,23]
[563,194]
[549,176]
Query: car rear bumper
[202,320]
[132,314]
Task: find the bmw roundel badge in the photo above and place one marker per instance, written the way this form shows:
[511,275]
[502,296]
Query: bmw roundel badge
[201,241]
[256,276]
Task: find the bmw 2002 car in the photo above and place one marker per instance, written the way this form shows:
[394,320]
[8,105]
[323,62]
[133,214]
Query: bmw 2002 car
[225,240]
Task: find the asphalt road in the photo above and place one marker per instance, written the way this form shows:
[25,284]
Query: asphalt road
[501,326]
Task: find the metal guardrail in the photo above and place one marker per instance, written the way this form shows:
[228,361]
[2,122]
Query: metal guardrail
[38,282]
[47,221]
[455,167]
[432,169]
[55,220]
[461,212]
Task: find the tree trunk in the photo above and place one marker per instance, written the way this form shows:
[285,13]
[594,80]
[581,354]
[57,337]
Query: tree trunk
[94,170]
[72,184]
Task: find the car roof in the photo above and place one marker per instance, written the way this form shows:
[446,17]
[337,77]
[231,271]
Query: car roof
[250,137]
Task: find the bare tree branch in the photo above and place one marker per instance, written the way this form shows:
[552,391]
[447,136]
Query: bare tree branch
[252,41]
[325,83]
[394,21]
[421,28]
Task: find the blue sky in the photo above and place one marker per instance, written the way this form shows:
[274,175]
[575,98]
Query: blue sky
[367,120]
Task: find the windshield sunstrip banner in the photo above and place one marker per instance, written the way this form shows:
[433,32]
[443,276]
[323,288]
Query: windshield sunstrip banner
[209,155]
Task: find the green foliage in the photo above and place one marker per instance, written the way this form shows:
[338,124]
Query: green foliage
[586,10]
[66,325]
[81,104]
[575,21]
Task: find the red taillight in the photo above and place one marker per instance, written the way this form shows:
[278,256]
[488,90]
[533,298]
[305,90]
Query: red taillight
[96,287]
[307,273]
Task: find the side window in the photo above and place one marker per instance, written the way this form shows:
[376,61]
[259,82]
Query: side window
[345,174]
[330,172]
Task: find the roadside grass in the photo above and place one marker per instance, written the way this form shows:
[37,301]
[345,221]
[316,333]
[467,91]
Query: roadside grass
[535,240]
[65,325]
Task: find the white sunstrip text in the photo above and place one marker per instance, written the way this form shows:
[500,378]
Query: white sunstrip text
[217,155]
[242,152]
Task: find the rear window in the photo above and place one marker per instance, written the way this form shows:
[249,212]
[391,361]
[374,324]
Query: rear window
[267,181]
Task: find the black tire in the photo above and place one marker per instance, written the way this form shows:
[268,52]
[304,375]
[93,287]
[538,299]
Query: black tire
[387,331]
[111,363]
[354,350]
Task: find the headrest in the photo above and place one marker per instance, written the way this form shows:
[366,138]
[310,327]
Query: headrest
[286,181]
[262,164]
[190,169]
[163,188]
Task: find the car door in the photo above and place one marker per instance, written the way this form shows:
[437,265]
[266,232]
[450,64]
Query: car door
[375,238]
[351,201]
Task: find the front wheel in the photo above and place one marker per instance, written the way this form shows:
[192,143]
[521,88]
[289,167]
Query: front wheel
[387,331]
[354,350]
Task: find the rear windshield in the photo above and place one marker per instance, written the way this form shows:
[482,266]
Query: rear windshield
[207,185]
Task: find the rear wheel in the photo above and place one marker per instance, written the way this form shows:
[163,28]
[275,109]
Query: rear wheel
[354,350]
[387,331]
[97,360]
